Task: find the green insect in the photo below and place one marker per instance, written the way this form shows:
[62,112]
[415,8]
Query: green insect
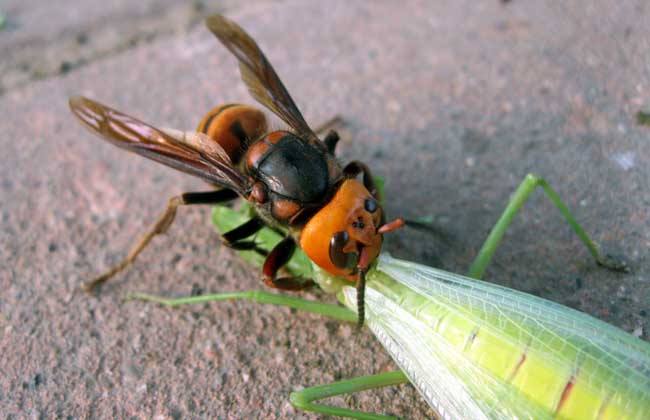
[473,349]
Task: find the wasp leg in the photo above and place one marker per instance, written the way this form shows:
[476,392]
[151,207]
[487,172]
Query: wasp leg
[160,226]
[356,167]
[235,238]
[278,257]
[330,140]
[243,231]
[332,136]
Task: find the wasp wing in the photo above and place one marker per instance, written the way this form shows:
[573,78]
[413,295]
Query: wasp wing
[478,350]
[258,74]
[195,156]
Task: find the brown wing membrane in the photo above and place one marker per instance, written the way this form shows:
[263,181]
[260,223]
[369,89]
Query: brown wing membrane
[136,136]
[258,74]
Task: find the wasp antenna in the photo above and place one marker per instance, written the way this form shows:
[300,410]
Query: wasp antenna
[391,226]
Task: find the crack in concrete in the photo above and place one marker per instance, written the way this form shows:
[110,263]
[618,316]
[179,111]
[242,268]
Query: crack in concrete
[29,57]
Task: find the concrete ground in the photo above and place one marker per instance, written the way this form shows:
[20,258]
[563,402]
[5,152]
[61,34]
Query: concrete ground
[452,102]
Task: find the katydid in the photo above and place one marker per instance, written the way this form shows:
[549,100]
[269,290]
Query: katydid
[473,349]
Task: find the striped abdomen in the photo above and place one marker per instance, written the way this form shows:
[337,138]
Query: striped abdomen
[235,127]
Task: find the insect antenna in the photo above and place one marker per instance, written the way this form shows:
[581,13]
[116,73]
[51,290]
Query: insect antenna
[361,292]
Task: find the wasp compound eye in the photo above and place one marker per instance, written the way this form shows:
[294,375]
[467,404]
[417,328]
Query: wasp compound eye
[337,256]
[370,205]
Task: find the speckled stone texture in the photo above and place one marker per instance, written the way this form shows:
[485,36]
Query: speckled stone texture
[452,102]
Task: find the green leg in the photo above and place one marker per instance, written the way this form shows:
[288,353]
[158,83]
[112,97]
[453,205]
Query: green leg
[525,189]
[304,399]
[259,296]
[301,399]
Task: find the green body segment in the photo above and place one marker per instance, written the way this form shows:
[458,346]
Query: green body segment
[519,367]
[509,362]
[225,219]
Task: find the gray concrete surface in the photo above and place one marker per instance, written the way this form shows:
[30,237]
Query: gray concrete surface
[452,103]
[44,39]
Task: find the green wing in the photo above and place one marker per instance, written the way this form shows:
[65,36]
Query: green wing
[478,350]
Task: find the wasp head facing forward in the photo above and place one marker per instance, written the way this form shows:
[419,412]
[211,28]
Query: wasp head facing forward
[345,235]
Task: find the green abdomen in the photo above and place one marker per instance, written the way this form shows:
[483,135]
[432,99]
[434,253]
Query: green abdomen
[530,368]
